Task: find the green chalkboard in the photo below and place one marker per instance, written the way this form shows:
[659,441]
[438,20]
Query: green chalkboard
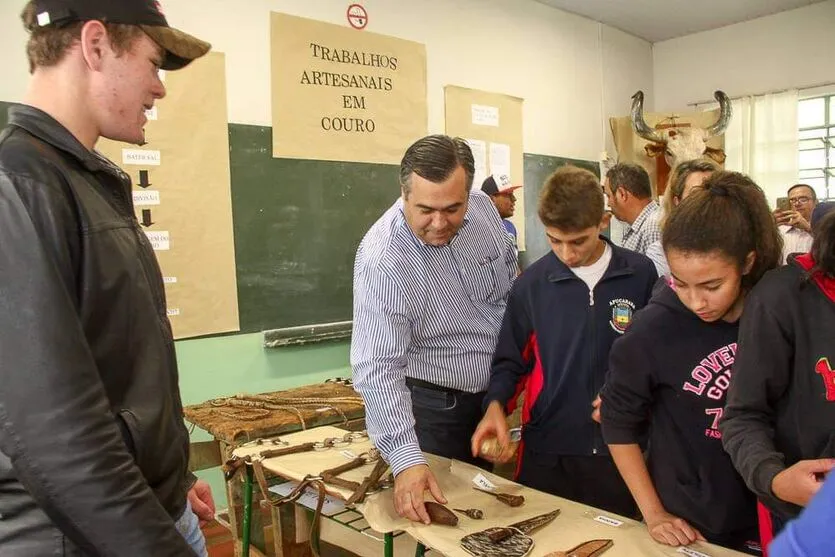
[297,226]
[537,168]
[298,223]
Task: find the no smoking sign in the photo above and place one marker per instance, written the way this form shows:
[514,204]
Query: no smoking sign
[357,16]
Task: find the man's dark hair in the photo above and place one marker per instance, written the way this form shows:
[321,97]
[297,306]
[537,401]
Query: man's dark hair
[729,214]
[631,177]
[811,189]
[571,200]
[434,158]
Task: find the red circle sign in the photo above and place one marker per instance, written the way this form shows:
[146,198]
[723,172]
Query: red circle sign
[357,16]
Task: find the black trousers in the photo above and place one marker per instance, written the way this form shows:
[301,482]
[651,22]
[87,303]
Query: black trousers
[445,420]
[591,480]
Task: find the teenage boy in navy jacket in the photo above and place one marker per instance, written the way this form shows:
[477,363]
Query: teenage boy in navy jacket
[563,314]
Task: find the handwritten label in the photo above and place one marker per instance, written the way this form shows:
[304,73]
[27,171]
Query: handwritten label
[141,156]
[160,241]
[691,552]
[145,197]
[481,481]
[485,115]
[169,280]
[607,520]
[173,312]
[350,455]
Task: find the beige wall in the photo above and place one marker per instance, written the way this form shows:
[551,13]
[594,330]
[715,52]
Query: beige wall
[573,73]
[786,50]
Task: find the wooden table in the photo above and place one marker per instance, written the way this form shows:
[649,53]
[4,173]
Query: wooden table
[576,523]
[232,426]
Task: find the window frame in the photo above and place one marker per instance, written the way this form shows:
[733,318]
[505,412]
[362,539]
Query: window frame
[827,144]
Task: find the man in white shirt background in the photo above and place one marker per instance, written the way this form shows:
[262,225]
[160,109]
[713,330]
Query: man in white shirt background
[794,224]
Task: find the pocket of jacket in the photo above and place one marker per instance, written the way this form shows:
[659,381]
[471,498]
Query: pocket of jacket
[131,432]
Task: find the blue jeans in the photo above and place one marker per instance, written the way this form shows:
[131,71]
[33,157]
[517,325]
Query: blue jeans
[189,527]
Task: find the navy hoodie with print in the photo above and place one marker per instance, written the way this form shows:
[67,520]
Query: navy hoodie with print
[671,372]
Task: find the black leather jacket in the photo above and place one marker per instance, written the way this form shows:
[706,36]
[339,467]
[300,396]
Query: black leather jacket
[93,448]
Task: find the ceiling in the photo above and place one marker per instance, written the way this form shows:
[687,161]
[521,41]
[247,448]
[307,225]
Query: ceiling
[659,20]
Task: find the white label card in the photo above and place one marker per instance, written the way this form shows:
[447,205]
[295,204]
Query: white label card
[481,481]
[691,552]
[160,241]
[144,157]
[145,197]
[173,312]
[608,520]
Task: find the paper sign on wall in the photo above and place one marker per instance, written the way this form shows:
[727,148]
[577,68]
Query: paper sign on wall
[182,199]
[344,96]
[485,115]
[479,149]
[492,124]
[500,159]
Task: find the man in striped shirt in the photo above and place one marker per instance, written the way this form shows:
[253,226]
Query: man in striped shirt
[431,280]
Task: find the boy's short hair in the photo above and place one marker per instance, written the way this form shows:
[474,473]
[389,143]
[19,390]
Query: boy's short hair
[571,200]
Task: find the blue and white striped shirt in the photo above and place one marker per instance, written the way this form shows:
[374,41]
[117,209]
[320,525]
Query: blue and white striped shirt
[426,312]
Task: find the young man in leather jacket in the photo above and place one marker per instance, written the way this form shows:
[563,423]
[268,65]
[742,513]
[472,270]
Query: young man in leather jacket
[93,448]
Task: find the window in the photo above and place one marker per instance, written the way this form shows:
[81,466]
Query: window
[816,156]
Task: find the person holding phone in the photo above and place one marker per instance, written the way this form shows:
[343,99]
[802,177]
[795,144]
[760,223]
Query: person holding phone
[793,217]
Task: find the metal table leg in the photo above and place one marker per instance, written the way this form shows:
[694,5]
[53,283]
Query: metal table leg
[247,525]
[388,545]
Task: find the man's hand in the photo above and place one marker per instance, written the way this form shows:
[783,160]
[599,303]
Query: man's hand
[671,530]
[202,502]
[595,412]
[793,218]
[493,424]
[798,483]
[409,486]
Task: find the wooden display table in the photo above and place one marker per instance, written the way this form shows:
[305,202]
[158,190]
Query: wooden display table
[575,524]
[239,419]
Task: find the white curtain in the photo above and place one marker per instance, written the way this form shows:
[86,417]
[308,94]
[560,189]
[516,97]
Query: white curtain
[761,141]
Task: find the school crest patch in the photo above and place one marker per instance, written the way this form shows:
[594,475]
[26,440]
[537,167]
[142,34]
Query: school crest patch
[622,311]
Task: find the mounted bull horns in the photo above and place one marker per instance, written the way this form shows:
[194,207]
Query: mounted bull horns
[725,113]
[641,128]
[638,124]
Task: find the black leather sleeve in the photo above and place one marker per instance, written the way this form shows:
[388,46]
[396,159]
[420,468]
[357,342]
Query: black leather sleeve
[56,425]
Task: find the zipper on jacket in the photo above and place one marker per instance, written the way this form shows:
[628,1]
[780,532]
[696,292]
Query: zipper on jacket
[593,359]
